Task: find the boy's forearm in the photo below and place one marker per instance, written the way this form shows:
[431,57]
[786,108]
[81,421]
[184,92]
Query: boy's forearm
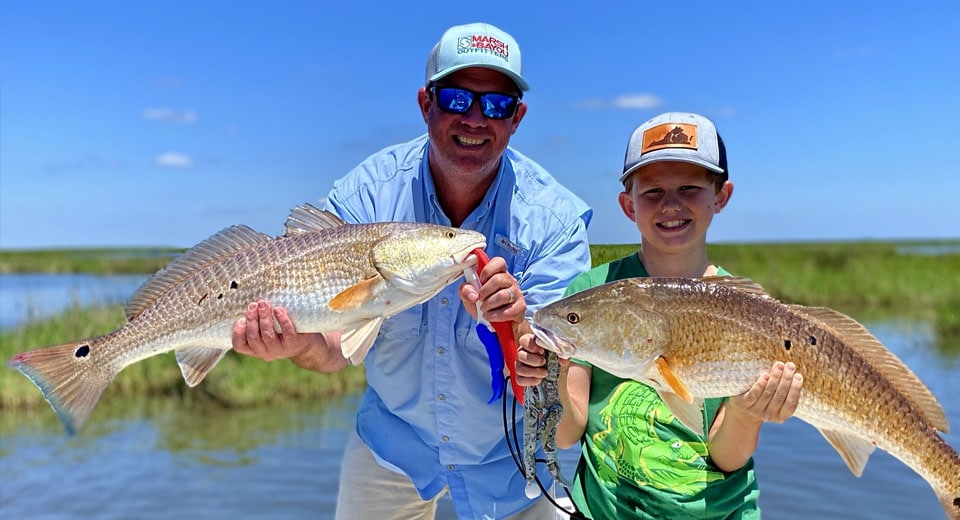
[734,438]
[574,420]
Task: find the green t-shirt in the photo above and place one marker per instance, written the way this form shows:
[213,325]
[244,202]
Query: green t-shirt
[639,461]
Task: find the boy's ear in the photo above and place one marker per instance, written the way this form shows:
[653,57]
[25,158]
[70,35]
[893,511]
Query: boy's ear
[626,204]
[723,197]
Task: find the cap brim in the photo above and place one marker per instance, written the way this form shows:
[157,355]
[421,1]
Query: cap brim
[506,72]
[651,160]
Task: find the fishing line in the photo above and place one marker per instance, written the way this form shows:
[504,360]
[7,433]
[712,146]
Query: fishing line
[516,453]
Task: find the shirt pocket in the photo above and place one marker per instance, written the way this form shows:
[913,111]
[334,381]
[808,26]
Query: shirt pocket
[408,324]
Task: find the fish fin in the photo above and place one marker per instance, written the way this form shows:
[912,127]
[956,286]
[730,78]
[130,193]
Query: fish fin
[854,450]
[354,296]
[307,218]
[196,362]
[690,414]
[688,411]
[212,250]
[671,379]
[356,342]
[886,362]
[739,283]
[70,378]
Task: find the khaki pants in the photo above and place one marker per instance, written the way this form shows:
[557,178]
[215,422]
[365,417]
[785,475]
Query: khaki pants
[371,491]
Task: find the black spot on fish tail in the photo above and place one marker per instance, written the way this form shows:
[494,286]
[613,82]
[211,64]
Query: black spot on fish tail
[813,340]
[233,284]
[956,501]
[786,344]
[82,351]
[204,297]
[220,296]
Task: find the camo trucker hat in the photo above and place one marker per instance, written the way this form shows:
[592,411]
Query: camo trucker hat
[475,45]
[676,136]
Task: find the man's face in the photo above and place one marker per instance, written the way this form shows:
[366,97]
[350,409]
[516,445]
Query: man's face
[469,144]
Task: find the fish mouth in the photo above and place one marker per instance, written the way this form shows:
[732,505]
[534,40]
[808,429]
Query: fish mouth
[552,342]
[470,260]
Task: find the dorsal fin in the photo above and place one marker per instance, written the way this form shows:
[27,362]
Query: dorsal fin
[858,337]
[307,218]
[739,283]
[219,246]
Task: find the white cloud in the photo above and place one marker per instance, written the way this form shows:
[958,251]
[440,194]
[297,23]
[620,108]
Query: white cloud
[640,101]
[186,117]
[174,160]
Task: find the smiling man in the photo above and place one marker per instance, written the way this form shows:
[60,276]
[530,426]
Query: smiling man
[425,427]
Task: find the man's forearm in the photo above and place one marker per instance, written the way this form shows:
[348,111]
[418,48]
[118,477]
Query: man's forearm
[324,354]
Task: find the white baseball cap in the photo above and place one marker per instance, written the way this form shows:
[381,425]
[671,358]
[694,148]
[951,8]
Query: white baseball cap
[475,45]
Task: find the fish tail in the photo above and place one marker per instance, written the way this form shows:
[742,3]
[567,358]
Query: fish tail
[69,377]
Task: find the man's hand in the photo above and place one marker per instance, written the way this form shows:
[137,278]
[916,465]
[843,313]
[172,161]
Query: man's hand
[500,295]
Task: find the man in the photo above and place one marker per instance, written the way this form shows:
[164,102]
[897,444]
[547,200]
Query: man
[424,426]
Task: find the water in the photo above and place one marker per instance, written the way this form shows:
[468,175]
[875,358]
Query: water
[153,458]
[33,296]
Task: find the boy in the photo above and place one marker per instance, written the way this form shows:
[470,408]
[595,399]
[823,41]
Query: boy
[675,180]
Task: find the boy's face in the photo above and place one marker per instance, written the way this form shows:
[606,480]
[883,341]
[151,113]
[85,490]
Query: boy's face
[673,204]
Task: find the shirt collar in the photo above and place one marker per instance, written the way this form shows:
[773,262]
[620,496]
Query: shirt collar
[437,215]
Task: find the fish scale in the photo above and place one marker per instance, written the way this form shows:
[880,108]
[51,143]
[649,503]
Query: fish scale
[329,275]
[713,337]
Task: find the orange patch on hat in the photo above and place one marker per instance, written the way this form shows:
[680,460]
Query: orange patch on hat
[670,135]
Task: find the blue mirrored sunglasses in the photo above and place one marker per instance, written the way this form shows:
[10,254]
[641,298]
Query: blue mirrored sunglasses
[455,100]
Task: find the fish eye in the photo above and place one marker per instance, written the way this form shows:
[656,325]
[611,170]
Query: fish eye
[451,234]
[573,318]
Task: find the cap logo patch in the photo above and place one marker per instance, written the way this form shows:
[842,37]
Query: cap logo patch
[670,135]
[483,43]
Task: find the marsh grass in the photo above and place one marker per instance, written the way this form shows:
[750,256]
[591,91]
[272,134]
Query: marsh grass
[90,261]
[856,275]
[885,279]
[236,381]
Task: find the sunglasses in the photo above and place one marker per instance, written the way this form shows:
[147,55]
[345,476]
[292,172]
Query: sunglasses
[455,100]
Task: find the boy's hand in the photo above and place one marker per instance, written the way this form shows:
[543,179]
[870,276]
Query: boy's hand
[531,362]
[773,397]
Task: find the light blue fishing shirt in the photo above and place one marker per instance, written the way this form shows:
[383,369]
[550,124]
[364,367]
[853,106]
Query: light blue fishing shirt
[425,411]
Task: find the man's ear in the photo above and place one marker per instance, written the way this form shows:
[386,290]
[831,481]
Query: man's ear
[423,99]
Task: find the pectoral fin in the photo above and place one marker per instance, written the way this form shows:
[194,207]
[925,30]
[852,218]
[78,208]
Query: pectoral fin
[671,379]
[854,449]
[688,411]
[689,414]
[354,296]
[196,362]
[356,342]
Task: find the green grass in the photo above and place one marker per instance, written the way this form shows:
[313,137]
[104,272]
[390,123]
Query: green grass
[235,382]
[853,275]
[883,278]
[90,261]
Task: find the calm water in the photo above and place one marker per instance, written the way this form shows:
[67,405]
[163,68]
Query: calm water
[157,459]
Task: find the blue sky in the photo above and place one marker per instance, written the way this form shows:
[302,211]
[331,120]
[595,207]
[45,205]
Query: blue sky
[160,123]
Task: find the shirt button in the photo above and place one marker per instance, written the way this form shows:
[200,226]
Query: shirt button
[441,351]
[450,467]
[444,301]
[445,438]
[442,397]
